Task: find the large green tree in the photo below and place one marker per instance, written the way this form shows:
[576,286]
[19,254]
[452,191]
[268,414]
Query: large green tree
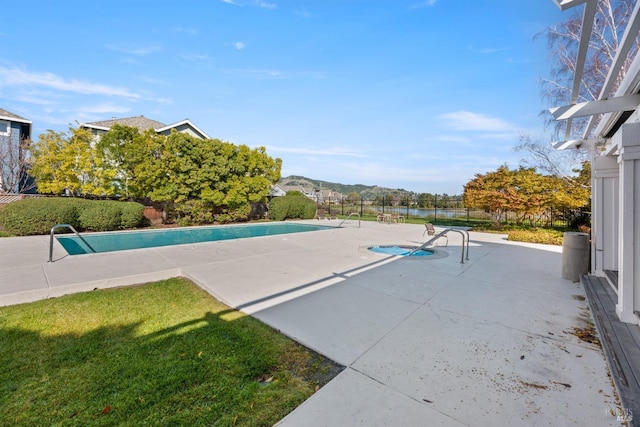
[530,195]
[199,177]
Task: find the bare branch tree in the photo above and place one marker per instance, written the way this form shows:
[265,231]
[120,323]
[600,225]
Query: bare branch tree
[14,164]
[540,154]
[563,40]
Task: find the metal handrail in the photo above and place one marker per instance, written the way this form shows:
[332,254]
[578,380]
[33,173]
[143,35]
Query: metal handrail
[349,216]
[442,233]
[69,226]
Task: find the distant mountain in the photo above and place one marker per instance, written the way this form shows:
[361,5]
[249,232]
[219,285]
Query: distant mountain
[294,182]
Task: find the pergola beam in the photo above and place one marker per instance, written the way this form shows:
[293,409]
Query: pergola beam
[621,103]
[568,4]
[628,39]
[575,143]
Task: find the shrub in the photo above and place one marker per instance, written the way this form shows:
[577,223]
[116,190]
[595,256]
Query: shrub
[101,216]
[239,214]
[132,214]
[291,207]
[38,215]
[541,235]
[193,212]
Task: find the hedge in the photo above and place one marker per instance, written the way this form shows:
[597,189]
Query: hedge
[292,207]
[37,216]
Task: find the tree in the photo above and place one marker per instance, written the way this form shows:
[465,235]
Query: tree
[563,41]
[68,163]
[14,164]
[529,194]
[540,154]
[492,192]
[201,177]
[353,198]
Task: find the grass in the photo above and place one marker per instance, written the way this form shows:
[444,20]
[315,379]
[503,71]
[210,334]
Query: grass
[164,353]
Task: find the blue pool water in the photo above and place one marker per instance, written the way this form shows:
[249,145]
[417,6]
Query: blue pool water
[400,250]
[119,241]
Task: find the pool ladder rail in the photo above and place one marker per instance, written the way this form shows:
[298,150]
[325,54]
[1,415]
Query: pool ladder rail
[69,226]
[464,231]
[349,216]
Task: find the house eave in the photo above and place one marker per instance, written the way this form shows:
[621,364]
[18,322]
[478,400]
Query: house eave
[15,119]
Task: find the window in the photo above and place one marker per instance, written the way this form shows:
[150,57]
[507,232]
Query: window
[4,128]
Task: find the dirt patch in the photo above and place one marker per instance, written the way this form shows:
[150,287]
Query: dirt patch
[587,334]
[320,370]
[534,385]
[579,297]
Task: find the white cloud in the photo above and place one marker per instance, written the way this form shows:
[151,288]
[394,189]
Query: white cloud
[185,30]
[264,4]
[421,4]
[240,45]
[468,121]
[335,151]
[104,108]
[256,3]
[487,50]
[138,51]
[20,77]
[199,58]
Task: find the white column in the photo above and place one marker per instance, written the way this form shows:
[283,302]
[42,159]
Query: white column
[629,214]
[604,214]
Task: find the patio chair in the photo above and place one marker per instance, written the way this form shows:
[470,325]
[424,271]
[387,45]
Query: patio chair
[431,231]
[321,214]
[380,218]
[333,216]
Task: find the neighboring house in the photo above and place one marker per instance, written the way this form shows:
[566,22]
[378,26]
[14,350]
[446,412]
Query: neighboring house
[15,131]
[277,191]
[615,166]
[318,195]
[144,124]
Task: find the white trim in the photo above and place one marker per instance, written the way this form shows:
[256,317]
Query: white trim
[568,4]
[575,143]
[184,122]
[15,119]
[590,108]
[90,126]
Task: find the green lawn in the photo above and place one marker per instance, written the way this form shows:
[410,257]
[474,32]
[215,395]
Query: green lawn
[164,353]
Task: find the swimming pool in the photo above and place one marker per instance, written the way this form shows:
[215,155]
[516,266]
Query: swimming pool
[402,250]
[124,240]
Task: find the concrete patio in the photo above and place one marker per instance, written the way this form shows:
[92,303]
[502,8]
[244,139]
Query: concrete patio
[423,341]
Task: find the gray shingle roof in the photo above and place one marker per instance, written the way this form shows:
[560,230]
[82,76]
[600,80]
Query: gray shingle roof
[9,115]
[140,122]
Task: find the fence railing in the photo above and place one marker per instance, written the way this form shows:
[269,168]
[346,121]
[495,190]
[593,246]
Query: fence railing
[448,210]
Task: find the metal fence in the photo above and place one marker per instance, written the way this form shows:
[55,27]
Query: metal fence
[446,209]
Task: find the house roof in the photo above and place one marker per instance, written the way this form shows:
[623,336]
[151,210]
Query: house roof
[143,124]
[140,122]
[7,115]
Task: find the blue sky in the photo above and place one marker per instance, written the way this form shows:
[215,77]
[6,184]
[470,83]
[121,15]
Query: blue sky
[412,94]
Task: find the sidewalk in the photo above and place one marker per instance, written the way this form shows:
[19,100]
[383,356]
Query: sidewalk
[424,341]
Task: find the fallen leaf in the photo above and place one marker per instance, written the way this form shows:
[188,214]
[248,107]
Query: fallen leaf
[200,354]
[106,409]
